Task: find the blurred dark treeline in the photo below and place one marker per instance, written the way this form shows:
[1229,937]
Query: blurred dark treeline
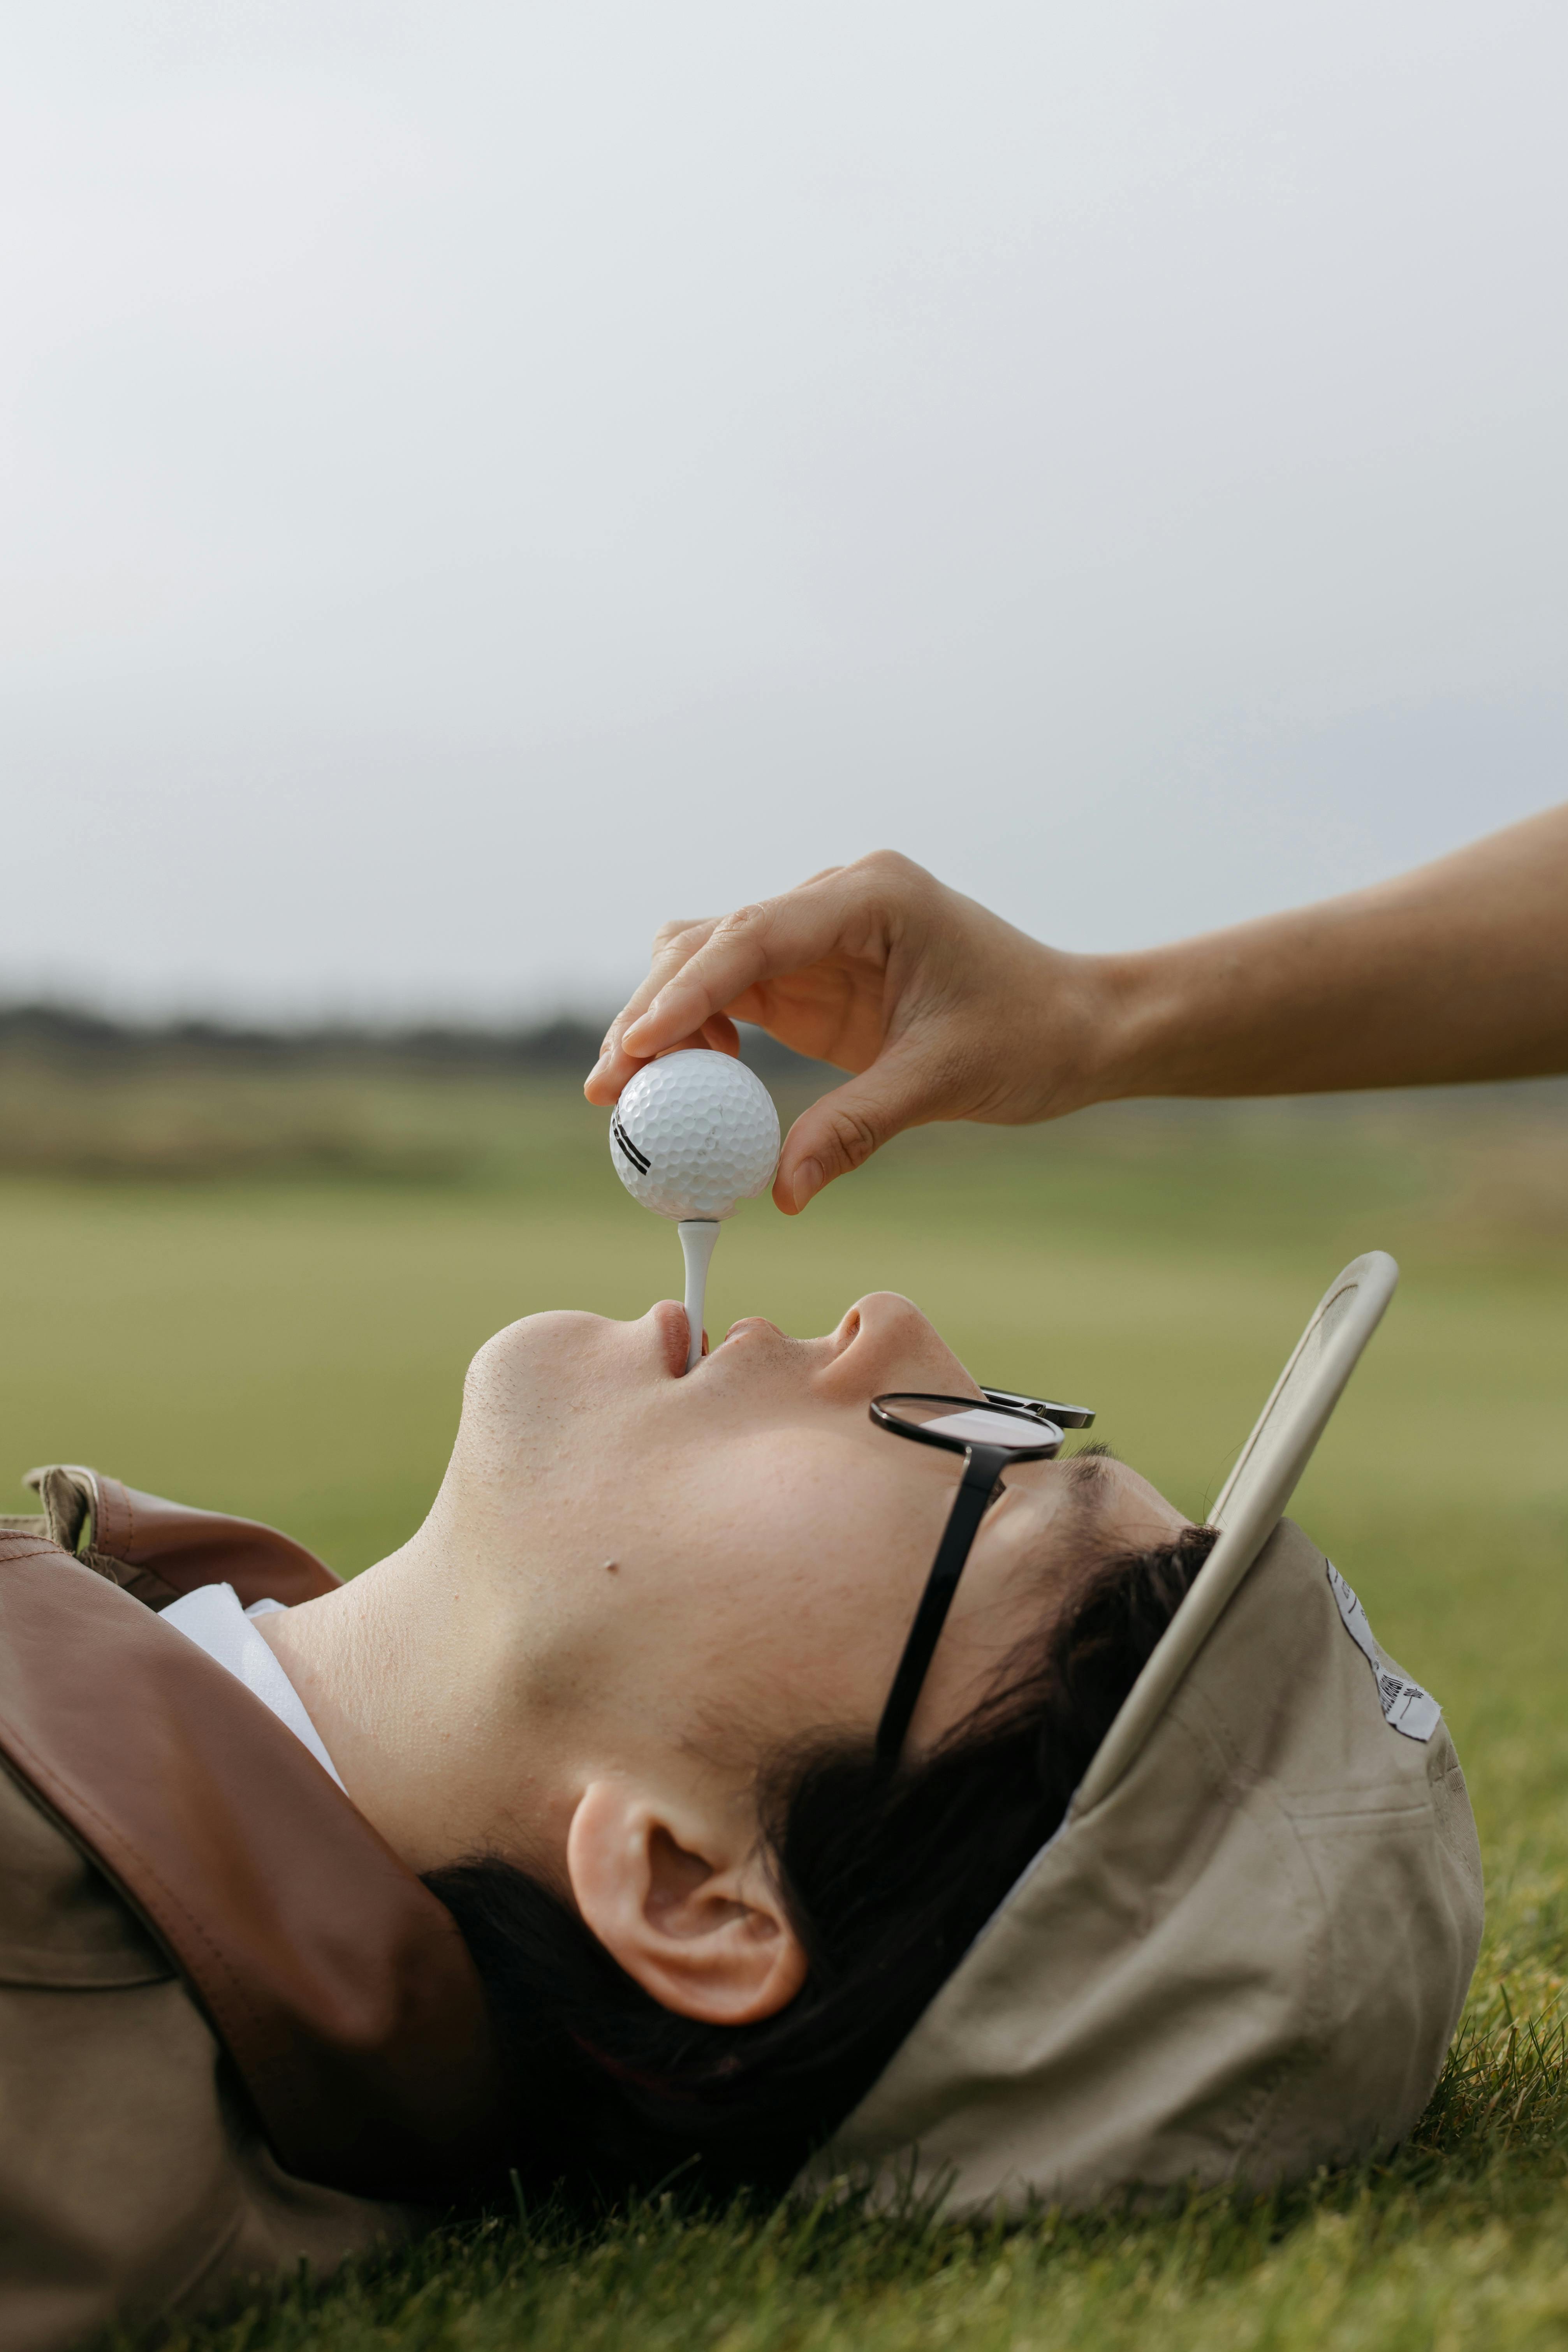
[71,1037]
[86,1095]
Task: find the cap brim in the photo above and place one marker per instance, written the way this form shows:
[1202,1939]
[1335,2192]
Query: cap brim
[1252,1503]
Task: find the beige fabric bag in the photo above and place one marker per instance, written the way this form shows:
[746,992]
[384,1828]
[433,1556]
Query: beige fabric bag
[1245,1952]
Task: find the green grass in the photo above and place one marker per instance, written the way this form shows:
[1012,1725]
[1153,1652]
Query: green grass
[260,1295]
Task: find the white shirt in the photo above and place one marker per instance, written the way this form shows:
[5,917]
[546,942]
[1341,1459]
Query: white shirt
[213,1619]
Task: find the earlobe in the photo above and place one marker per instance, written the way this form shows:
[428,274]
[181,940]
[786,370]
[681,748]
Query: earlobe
[701,1929]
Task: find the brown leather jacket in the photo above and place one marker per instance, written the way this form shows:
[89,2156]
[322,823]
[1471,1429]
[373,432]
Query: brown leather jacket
[235,2031]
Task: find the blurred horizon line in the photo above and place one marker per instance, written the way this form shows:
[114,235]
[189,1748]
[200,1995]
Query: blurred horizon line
[81,1038]
[57,1029]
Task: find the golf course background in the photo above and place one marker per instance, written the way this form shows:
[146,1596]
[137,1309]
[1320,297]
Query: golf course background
[256,1288]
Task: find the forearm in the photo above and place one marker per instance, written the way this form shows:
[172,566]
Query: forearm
[938,1010]
[1456,972]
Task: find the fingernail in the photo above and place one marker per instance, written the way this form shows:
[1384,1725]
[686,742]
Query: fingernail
[806,1181]
[597,1067]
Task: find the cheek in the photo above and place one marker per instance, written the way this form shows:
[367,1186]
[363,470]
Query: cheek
[803,1569]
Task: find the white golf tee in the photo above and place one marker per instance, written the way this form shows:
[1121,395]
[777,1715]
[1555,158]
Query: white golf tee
[697,1235]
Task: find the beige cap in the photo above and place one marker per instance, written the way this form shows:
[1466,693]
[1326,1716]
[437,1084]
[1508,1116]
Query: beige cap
[1244,1953]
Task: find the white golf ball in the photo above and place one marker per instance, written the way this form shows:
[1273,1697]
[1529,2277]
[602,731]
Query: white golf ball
[694,1135]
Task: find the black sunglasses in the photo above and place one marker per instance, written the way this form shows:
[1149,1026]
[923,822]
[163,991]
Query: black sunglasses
[990,1430]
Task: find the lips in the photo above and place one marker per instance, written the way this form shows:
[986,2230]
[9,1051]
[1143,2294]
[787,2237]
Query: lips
[668,1321]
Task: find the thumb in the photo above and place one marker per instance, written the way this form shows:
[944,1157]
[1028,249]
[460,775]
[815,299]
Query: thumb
[841,1131]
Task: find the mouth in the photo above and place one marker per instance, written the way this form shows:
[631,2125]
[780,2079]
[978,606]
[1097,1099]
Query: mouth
[670,1325]
[819,1355]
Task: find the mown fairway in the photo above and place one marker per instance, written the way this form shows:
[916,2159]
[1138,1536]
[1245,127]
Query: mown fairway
[288,1340]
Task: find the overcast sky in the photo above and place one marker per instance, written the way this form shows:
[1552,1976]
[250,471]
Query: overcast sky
[478,479]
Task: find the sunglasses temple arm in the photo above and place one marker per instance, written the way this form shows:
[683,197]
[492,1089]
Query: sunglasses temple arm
[981,1472]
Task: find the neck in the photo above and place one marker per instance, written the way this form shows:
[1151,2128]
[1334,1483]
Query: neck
[414,1699]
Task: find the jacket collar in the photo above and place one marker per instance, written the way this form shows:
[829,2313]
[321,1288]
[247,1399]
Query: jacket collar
[157,1551]
[338,1984]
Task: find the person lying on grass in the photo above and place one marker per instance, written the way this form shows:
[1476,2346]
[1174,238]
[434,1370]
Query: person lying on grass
[646,1817]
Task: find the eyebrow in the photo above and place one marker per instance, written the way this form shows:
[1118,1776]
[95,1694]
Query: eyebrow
[1087,1470]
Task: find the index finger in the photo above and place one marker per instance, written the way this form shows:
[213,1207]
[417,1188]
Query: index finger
[755,943]
[672,943]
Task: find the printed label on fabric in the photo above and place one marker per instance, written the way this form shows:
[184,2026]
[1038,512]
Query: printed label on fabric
[1405,1706]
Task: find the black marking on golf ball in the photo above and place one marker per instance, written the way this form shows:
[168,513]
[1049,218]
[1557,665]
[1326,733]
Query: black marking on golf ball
[639,1160]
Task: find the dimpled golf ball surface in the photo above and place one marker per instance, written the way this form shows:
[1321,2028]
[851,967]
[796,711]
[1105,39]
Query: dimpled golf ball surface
[695,1134]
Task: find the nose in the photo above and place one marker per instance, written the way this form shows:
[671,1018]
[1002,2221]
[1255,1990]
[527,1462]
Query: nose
[885,1342]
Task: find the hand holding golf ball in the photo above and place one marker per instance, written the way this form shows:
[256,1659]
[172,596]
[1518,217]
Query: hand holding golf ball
[692,1136]
[936,1009]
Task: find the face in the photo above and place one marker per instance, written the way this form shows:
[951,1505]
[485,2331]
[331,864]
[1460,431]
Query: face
[737,1553]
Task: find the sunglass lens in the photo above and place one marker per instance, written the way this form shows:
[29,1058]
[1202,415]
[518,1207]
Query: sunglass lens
[976,1424]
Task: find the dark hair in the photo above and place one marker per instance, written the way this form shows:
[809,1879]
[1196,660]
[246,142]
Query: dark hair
[888,1871]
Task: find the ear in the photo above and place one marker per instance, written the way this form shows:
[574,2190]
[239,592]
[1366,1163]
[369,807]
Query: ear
[700,1927]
